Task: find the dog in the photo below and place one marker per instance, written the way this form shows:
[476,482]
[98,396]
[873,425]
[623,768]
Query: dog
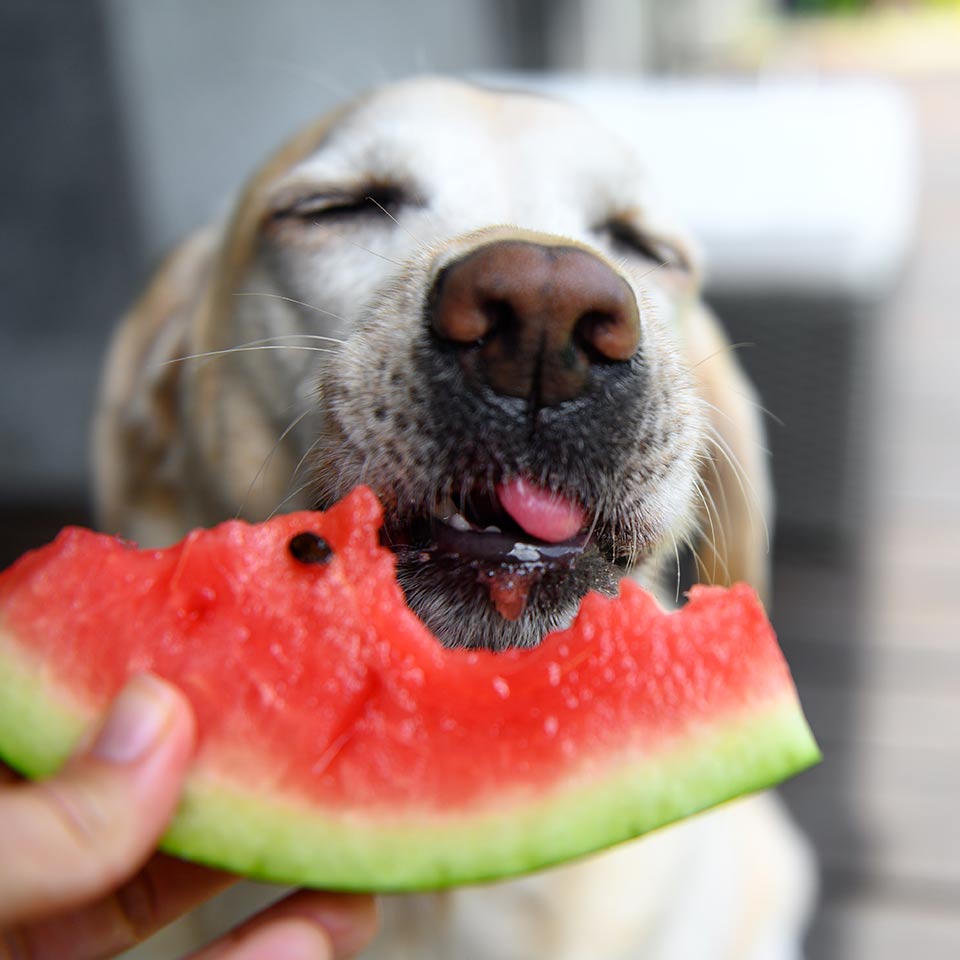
[468,300]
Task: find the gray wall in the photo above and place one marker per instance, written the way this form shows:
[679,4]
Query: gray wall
[207,87]
[67,250]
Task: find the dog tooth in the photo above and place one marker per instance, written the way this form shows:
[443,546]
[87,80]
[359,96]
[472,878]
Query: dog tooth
[444,510]
[459,522]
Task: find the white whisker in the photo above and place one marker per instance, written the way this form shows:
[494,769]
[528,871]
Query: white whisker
[652,270]
[313,446]
[373,253]
[750,398]
[698,560]
[726,348]
[299,303]
[594,520]
[766,411]
[710,462]
[263,466]
[676,553]
[747,489]
[411,235]
[718,549]
[246,349]
[293,493]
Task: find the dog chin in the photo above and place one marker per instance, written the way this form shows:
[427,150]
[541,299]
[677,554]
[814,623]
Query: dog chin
[470,603]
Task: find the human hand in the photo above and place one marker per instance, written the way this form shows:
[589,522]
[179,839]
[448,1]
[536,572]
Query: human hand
[77,879]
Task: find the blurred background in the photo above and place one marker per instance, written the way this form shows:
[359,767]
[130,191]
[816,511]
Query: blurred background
[814,147]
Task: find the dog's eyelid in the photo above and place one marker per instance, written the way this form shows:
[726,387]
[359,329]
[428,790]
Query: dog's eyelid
[658,249]
[368,198]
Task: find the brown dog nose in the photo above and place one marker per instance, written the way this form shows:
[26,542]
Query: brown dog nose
[533,319]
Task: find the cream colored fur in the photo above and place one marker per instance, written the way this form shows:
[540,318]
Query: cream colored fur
[187,442]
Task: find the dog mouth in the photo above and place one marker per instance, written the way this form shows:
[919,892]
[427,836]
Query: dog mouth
[506,536]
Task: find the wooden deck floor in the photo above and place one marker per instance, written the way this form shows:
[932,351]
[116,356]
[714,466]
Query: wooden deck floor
[875,636]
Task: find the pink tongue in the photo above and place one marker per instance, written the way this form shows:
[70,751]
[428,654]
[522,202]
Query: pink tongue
[542,513]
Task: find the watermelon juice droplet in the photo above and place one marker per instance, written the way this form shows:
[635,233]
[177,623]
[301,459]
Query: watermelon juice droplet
[509,590]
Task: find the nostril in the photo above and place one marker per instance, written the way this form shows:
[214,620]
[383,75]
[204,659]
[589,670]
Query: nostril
[609,336]
[530,320]
[500,315]
[457,316]
[472,323]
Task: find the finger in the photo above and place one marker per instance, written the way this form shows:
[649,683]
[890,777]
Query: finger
[70,839]
[291,939]
[163,890]
[345,923]
[7,775]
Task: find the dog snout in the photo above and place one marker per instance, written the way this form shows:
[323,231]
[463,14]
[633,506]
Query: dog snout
[534,320]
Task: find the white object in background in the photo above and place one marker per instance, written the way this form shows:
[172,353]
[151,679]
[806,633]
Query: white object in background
[789,185]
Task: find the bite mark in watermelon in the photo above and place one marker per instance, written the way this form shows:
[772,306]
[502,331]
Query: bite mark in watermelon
[340,745]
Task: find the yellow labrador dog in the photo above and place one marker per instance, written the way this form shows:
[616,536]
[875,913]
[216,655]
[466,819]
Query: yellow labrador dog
[468,300]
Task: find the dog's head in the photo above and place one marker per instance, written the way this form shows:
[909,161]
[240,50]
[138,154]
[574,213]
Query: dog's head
[466,300]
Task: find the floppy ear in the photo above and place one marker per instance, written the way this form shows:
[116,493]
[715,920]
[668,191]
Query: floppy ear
[737,513]
[174,442]
[179,435]
[138,465]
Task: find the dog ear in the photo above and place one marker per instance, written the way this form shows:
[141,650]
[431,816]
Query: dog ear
[163,450]
[138,465]
[736,510]
[179,436]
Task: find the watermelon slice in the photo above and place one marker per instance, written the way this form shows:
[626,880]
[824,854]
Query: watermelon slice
[341,746]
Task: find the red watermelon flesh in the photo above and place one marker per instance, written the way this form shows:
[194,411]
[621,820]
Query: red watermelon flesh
[342,746]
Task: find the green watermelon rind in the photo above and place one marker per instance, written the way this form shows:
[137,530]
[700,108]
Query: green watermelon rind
[39,722]
[226,826]
[432,852]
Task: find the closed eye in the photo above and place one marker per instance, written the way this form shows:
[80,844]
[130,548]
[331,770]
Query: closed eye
[630,239]
[370,201]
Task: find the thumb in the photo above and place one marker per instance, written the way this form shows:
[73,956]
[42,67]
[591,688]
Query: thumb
[74,837]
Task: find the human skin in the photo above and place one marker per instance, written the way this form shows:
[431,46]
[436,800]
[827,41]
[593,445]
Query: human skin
[79,875]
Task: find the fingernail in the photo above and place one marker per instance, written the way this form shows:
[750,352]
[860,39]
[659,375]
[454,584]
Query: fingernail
[135,721]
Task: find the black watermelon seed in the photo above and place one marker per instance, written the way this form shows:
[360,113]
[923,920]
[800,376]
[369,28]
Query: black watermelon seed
[310,548]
